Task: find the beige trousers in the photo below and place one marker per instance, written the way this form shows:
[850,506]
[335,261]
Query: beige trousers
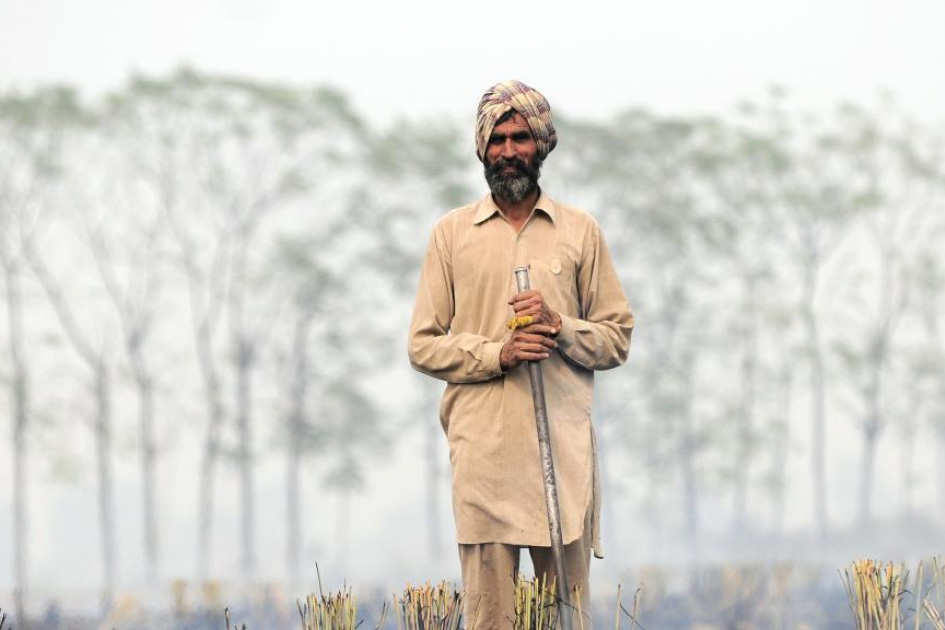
[489,574]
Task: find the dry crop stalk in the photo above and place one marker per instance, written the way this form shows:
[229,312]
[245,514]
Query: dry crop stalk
[875,593]
[630,613]
[428,607]
[918,597]
[935,614]
[535,604]
[226,615]
[338,611]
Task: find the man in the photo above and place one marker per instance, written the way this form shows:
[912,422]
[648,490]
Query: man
[459,333]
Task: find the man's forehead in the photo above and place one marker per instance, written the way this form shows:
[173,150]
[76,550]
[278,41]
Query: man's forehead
[515,123]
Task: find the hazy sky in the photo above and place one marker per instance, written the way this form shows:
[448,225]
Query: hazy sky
[402,57]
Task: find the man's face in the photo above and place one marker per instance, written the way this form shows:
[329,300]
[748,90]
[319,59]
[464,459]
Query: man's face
[511,163]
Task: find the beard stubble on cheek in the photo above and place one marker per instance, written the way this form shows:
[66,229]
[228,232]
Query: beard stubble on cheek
[516,186]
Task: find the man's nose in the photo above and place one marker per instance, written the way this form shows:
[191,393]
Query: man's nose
[508,148]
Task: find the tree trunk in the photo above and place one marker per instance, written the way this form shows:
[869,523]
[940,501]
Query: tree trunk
[746,411]
[818,410]
[101,384]
[907,469]
[920,406]
[211,451]
[879,343]
[243,353]
[19,402]
[293,547]
[937,402]
[103,444]
[663,430]
[690,498]
[203,299]
[243,395]
[297,418]
[688,464]
[781,446]
[871,431]
[867,465]
[145,386]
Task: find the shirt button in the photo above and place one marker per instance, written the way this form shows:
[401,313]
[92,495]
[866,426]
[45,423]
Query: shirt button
[555,266]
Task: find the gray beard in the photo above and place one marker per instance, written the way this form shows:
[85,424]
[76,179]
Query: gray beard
[512,187]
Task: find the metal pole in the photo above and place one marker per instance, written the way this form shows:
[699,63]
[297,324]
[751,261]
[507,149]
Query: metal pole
[548,476]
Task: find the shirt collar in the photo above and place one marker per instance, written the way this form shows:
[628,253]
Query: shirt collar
[487,208]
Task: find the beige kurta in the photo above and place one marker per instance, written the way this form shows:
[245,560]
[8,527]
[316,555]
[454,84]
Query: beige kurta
[456,333]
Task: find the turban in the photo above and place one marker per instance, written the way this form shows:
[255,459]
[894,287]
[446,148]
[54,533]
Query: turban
[528,102]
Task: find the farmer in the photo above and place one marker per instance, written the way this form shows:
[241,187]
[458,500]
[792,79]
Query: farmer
[460,333]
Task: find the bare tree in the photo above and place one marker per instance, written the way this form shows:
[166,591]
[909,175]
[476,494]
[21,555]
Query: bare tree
[639,174]
[811,200]
[424,171]
[901,187]
[127,258]
[350,418]
[223,155]
[316,293]
[34,127]
[90,347]
[781,439]
[158,128]
[929,361]
[742,234]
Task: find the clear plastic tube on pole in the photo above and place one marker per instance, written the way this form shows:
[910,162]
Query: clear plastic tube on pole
[548,476]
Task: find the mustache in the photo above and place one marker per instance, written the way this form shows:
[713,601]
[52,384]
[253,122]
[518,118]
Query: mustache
[501,164]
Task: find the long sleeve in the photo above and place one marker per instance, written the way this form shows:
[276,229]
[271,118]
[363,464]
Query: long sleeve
[454,357]
[600,338]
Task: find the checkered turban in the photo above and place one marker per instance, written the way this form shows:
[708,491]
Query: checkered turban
[507,95]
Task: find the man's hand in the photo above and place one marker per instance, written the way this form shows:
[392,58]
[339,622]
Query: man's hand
[546,322]
[525,346]
[535,341]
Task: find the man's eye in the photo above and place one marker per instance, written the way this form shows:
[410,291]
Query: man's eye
[522,137]
[496,139]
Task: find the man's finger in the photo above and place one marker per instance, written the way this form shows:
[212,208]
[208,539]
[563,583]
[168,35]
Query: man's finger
[545,341]
[531,356]
[534,349]
[536,337]
[526,308]
[526,296]
[545,330]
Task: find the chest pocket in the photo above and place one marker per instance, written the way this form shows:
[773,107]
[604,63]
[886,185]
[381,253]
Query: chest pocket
[554,276]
